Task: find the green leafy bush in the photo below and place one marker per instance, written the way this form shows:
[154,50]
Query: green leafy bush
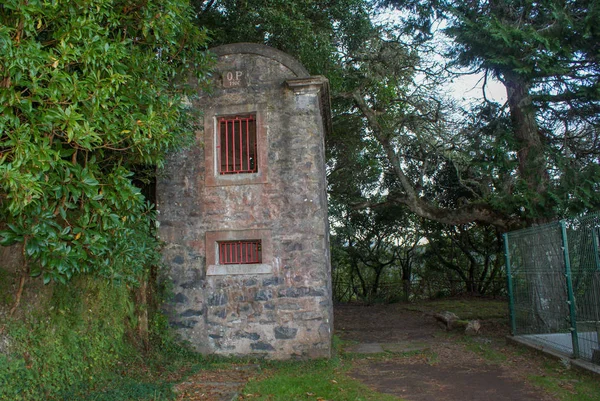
[89,90]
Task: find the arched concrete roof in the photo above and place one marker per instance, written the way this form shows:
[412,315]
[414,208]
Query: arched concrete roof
[265,51]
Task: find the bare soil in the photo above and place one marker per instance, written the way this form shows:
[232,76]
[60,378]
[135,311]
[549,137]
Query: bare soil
[215,385]
[444,365]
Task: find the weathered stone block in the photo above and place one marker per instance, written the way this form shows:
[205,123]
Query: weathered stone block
[217,299]
[296,292]
[285,333]
[184,324]
[222,313]
[271,281]
[191,312]
[251,282]
[251,336]
[260,346]
[263,295]
[180,299]
[289,306]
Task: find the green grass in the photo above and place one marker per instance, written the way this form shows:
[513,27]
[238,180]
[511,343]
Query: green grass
[556,379]
[79,347]
[149,376]
[567,384]
[486,352]
[312,380]
[125,389]
[65,345]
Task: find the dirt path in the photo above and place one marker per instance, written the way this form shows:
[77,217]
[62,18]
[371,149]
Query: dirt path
[441,366]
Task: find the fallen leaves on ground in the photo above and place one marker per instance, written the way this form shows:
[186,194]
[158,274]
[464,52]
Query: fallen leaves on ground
[215,385]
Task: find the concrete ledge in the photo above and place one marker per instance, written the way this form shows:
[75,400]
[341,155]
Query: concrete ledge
[315,83]
[580,364]
[299,84]
[229,270]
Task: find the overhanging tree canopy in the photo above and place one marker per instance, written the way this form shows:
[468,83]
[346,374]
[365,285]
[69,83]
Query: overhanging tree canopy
[546,54]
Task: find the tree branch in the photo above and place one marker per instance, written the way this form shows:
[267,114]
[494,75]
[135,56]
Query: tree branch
[480,212]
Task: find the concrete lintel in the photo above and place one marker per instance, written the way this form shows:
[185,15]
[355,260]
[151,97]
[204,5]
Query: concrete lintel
[248,269]
[308,84]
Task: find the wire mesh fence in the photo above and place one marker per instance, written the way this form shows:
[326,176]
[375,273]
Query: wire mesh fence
[553,274]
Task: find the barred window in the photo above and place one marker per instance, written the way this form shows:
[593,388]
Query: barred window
[240,252]
[237,148]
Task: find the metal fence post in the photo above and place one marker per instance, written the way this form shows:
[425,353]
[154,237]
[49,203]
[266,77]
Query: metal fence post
[595,245]
[511,300]
[571,301]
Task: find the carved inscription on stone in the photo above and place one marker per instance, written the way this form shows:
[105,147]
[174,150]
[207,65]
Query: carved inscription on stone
[234,79]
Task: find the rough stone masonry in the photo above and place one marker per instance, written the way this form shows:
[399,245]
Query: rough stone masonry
[278,304]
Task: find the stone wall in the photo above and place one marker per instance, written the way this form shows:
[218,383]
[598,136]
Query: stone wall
[281,307]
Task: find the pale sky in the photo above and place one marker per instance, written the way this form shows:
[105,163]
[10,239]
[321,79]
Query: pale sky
[468,87]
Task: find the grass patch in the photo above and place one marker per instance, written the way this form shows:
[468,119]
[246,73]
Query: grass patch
[126,389]
[557,378]
[310,380]
[78,347]
[484,349]
[147,376]
[77,338]
[567,384]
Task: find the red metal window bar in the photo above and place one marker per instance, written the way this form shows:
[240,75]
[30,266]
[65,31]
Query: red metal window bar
[240,252]
[237,145]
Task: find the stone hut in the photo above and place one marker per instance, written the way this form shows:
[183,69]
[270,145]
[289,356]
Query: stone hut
[243,212]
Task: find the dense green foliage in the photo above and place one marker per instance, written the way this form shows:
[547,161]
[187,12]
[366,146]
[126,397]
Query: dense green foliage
[88,94]
[70,343]
[374,253]
[314,32]
[462,259]
[79,344]
[92,97]
[547,56]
